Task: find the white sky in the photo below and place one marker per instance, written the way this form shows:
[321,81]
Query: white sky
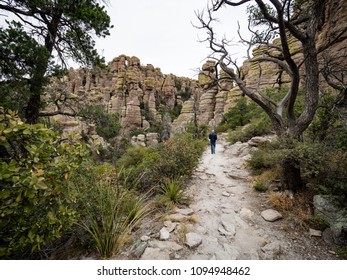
[160,32]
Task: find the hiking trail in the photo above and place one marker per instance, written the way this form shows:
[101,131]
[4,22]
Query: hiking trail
[226,219]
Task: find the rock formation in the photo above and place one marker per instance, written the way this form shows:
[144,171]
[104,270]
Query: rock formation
[272,76]
[143,95]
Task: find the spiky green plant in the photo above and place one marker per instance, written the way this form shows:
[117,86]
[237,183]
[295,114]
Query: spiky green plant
[172,191]
[113,217]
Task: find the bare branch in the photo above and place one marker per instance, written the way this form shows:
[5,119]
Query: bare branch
[51,114]
[218,3]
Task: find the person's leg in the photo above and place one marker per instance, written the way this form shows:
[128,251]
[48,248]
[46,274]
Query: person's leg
[213,148]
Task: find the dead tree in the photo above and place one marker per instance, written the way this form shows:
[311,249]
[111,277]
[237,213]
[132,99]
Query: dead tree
[279,19]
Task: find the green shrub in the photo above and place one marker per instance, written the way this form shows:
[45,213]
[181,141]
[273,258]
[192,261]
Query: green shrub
[329,125]
[260,186]
[263,159]
[37,199]
[241,114]
[149,167]
[179,156]
[321,166]
[257,127]
[110,210]
[138,164]
[107,125]
[172,191]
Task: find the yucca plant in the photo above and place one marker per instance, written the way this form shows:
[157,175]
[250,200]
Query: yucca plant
[114,216]
[172,191]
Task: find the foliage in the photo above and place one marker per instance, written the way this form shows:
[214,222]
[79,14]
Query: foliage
[179,156]
[37,197]
[321,166]
[172,191]
[149,167]
[265,180]
[20,55]
[186,94]
[107,124]
[200,133]
[241,114]
[263,158]
[112,152]
[110,210]
[296,205]
[328,125]
[257,127]
[45,28]
[138,166]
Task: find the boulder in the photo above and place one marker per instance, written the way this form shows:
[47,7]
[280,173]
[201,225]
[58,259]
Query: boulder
[271,215]
[325,208]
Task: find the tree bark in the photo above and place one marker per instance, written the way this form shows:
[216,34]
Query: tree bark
[38,80]
[291,175]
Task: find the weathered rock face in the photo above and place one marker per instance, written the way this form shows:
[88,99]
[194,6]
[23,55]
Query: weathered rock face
[140,94]
[272,76]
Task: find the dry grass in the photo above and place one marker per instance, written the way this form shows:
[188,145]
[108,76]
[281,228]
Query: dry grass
[194,219]
[181,233]
[298,205]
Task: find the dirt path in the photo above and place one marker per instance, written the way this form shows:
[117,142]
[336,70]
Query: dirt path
[223,220]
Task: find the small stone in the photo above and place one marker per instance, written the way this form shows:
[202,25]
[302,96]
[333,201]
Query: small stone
[170,226]
[314,232]
[246,213]
[140,248]
[145,238]
[271,215]
[332,252]
[165,245]
[186,211]
[164,234]
[229,227]
[193,240]
[155,254]
[226,194]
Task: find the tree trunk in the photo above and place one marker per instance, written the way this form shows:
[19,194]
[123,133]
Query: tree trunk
[38,80]
[33,108]
[291,175]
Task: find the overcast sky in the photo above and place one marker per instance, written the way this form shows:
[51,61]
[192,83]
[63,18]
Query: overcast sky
[160,32]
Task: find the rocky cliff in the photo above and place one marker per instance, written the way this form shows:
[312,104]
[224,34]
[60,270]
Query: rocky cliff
[152,103]
[144,97]
[332,58]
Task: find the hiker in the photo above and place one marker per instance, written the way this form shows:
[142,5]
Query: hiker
[213,139]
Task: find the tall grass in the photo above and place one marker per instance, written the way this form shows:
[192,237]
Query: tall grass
[112,213]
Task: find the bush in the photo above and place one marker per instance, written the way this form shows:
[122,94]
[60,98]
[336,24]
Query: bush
[110,211]
[320,165]
[37,199]
[257,127]
[107,125]
[263,158]
[241,114]
[179,156]
[149,167]
[172,192]
[266,180]
[138,164]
